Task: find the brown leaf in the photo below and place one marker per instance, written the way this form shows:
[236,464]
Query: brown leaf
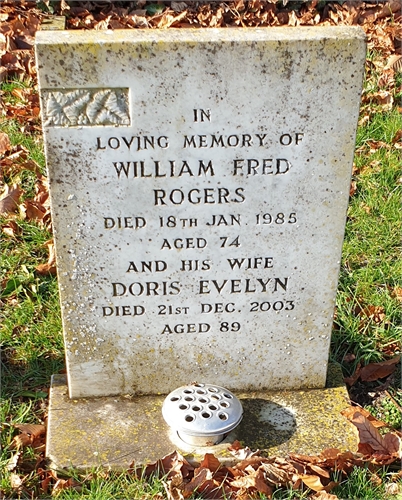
[349,357]
[5,144]
[397,293]
[172,492]
[200,476]
[241,453]
[355,377]
[254,482]
[15,481]
[276,475]
[66,484]
[393,443]
[312,482]
[368,433]
[323,495]
[374,371]
[375,313]
[33,210]
[11,229]
[35,430]
[9,199]
[20,441]
[31,435]
[50,266]
[173,464]
[12,463]
[383,98]
[351,410]
[210,462]
[320,471]
[331,453]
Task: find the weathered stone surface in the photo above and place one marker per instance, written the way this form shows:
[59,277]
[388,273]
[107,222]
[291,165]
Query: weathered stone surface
[199,187]
[115,431]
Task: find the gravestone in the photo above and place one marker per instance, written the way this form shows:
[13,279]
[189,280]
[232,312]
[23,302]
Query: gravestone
[199,184]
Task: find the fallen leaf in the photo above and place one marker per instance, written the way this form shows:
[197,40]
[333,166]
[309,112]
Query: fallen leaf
[312,482]
[320,471]
[276,475]
[5,144]
[374,371]
[9,199]
[323,495]
[254,482]
[392,489]
[200,476]
[33,211]
[15,481]
[368,433]
[375,313]
[20,441]
[393,444]
[12,463]
[50,266]
[349,357]
[172,492]
[355,377]
[170,464]
[11,228]
[66,484]
[31,435]
[210,462]
[241,453]
[351,410]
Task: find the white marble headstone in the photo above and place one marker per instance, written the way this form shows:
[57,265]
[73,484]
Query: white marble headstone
[199,186]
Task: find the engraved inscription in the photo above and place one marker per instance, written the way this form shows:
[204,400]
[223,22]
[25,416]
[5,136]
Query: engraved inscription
[69,108]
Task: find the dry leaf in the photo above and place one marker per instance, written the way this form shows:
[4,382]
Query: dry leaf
[15,481]
[374,371]
[210,462]
[392,489]
[276,475]
[172,492]
[349,357]
[5,144]
[312,482]
[65,484]
[397,293]
[368,433]
[355,377]
[12,463]
[200,476]
[323,495]
[9,199]
[241,453]
[253,482]
[351,410]
[20,441]
[398,135]
[11,229]
[393,443]
[50,266]
[375,313]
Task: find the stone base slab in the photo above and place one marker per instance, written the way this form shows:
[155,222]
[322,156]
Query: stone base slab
[117,431]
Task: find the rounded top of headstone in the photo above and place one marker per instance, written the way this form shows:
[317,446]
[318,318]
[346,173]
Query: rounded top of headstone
[202,410]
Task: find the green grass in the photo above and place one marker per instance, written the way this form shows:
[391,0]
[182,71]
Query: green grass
[363,484]
[371,264]
[31,332]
